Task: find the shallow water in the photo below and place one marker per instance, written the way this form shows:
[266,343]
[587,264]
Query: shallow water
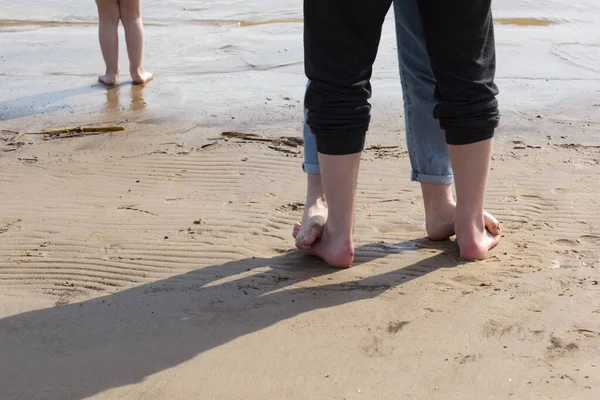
[232,56]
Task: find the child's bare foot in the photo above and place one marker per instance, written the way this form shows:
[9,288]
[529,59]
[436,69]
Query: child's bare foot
[141,78]
[474,240]
[307,231]
[335,250]
[109,79]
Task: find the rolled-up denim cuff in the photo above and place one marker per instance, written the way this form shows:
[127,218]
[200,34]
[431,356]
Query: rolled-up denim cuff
[311,168]
[435,179]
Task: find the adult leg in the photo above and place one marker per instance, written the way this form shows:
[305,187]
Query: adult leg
[339,175]
[108,32]
[309,229]
[471,164]
[339,69]
[460,43]
[131,17]
[426,142]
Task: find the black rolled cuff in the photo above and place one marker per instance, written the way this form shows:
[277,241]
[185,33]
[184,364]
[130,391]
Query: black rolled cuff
[339,145]
[462,136]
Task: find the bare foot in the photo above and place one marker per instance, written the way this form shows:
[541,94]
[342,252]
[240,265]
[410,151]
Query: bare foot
[141,78]
[313,237]
[307,231]
[109,79]
[335,250]
[474,241]
[439,221]
[492,225]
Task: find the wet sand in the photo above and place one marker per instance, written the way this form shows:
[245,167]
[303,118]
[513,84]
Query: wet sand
[157,262]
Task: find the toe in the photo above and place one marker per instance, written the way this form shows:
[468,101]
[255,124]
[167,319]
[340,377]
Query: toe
[296,229]
[492,224]
[301,243]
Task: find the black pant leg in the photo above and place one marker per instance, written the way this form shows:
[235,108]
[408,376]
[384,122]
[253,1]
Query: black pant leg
[460,43]
[341,38]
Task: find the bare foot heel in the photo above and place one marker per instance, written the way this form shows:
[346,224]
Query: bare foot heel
[335,251]
[141,78]
[439,210]
[439,223]
[109,79]
[439,220]
[474,243]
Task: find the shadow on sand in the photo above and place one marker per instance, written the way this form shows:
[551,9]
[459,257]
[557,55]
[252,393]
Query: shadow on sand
[81,349]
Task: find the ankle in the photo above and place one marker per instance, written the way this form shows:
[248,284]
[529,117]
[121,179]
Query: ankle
[340,235]
[437,194]
[314,187]
[436,205]
[318,202]
[469,223]
[136,71]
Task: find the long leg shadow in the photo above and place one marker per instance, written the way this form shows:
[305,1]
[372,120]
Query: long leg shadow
[78,350]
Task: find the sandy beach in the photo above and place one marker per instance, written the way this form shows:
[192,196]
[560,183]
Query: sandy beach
[158,262]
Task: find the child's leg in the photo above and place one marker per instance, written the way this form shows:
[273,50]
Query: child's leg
[108,13]
[131,17]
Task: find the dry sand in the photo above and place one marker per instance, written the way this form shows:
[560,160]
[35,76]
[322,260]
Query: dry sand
[110,290]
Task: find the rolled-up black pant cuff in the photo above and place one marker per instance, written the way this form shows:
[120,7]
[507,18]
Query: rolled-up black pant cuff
[462,136]
[339,145]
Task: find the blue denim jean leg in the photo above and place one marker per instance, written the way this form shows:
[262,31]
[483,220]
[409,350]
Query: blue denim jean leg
[311,157]
[425,139]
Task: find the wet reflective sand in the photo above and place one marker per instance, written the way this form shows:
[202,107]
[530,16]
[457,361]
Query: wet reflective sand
[220,63]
